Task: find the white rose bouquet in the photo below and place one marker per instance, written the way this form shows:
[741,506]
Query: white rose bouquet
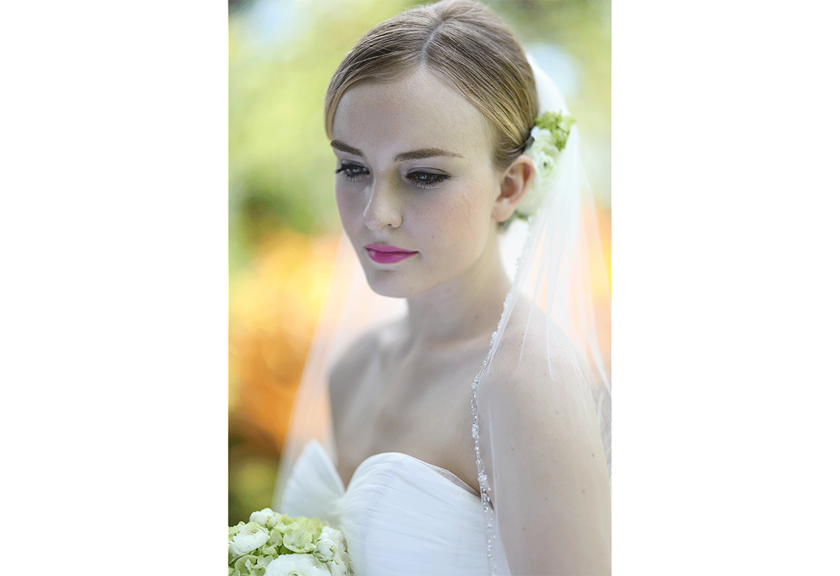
[273,544]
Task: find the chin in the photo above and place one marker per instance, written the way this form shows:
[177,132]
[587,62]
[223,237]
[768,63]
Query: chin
[400,282]
[387,283]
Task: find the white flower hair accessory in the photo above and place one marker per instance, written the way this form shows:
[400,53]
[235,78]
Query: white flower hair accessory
[548,138]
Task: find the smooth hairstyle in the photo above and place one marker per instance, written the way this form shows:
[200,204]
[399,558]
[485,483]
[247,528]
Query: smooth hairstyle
[468,46]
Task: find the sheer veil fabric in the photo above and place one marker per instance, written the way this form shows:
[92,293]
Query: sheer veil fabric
[557,316]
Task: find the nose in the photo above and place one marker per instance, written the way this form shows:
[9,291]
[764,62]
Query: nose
[383,208]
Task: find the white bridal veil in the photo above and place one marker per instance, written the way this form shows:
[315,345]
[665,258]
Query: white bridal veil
[560,286]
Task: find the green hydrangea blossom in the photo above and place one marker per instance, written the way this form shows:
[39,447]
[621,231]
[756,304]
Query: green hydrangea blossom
[298,539]
[560,126]
[243,565]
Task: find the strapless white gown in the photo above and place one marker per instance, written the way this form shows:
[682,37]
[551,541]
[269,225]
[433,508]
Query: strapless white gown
[400,515]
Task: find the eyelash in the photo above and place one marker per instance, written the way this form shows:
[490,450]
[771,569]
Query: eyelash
[426,179]
[353,172]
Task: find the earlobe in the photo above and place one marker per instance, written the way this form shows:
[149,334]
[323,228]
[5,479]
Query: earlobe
[514,185]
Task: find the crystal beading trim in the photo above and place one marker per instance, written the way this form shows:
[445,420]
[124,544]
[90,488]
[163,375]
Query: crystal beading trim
[489,518]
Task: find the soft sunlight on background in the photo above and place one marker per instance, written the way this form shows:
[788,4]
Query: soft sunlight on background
[284,226]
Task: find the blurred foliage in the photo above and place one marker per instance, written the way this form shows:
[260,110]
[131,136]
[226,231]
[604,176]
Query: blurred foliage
[283,222]
[274,307]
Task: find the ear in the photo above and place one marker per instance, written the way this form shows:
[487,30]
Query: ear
[515,181]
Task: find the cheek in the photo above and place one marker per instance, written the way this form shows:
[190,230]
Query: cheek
[460,220]
[350,205]
[473,207]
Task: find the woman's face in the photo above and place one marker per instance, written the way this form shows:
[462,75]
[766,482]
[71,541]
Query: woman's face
[415,183]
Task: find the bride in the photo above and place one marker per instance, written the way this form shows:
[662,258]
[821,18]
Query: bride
[468,434]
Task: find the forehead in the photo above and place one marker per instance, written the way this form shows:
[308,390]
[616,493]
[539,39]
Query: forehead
[419,110]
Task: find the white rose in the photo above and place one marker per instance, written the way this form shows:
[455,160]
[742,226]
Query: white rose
[264,517]
[296,565]
[251,536]
[325,550]
[339,567]
[328,533]
[544,154]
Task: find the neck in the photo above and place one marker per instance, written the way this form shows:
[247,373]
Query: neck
[463,309]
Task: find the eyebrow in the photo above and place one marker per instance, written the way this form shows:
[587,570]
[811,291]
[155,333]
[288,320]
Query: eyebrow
[339,145]
[412,155]
[425,153]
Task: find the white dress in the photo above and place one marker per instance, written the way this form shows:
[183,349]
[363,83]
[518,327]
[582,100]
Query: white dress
[400,515]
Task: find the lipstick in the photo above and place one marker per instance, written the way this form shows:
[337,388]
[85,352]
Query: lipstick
[387,254]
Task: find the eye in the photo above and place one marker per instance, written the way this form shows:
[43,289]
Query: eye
[426,179]
[352,172]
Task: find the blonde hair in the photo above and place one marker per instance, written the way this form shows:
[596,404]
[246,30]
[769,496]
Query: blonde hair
[468,46]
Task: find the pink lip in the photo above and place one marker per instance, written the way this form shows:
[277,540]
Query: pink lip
[387,254]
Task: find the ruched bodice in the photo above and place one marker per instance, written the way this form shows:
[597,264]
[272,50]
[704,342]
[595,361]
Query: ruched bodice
[399,514]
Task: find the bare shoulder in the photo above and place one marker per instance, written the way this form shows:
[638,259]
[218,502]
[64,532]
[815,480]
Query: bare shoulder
[542,448]
[540,414]
[533,360]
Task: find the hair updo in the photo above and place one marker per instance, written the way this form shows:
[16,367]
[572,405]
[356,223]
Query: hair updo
[468,46]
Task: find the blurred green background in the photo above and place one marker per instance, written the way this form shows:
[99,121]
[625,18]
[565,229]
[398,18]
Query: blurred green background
[284,226]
